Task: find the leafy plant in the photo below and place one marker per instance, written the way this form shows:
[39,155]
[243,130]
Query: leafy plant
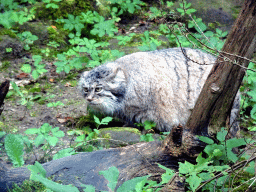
[219,156]
[104,121]
[126,6]
[46,135]
[185,8]
[8,50]
[39,67]
[104,27]
[55,104]
[14,148]
[28,38]
[149,43]
[38,173]
[50,4]
[124,39]
[249,98]
[26,99]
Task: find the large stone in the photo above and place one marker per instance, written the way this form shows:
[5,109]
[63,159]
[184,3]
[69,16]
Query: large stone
[8,42]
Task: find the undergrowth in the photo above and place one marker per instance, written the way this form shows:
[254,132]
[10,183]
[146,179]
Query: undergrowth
[85,34]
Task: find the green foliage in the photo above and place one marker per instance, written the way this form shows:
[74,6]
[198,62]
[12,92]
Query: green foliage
[44,137]
[104,121]
[149,43]
[64,153]
[10,17]
[49,11]
[50,4]
[185,8]
[126,6]
[124,39]
[104,27]
[218,157]
[112,176]
[89,19]
[14,148]
[147,137]
[26,99]
[38,174]
[39,67]
[249,98]
[28,186]
[55,104]
[28,38]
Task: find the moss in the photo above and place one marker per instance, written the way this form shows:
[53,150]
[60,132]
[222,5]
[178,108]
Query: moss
[239,180]
[28,186]
[9,32]
[5,65]
[58,35]
[74,7]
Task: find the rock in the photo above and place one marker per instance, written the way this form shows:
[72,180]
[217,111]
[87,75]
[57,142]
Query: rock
[15,44]
[38,29]
[120,136]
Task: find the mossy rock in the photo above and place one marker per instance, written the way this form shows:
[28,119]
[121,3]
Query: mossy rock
[15,47]
[74,7]
[120,136]
[38,29]
[9,32]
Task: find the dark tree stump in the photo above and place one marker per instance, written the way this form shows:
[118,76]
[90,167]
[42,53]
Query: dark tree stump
[4,88]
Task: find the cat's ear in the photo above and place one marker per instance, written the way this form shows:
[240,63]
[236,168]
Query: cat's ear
[117,74]
[85,73]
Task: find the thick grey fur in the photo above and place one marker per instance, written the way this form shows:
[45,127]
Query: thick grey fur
[161,86]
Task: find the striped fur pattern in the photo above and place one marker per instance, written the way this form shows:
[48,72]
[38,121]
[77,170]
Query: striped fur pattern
[161,86]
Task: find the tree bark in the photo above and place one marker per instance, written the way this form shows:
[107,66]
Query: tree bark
[140,159]
[4,88]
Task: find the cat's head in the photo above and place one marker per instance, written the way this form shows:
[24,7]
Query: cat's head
[104,88]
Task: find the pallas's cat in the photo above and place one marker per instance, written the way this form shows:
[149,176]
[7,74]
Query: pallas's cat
[161,86]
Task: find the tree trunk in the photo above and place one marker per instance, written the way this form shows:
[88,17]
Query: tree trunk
[213,105]
[4,88]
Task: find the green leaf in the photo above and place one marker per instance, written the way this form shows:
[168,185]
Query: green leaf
[32,131]
[80,138]
[194,181]
[45,128]
[2,133]
[14,148]
[130,185]
[206,139]
[234,142]
[58,134]
[148,137]
[167,175]
[35,74]
[26,68]
[106,120]
[112,176]
[222,134]
[56,187]
[88,188]
[186,167]
[97,120]
[39,140]
[104,27]
[64,153]
[52,140]
[37,169]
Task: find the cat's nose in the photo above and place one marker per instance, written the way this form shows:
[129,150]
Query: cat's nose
[89,98]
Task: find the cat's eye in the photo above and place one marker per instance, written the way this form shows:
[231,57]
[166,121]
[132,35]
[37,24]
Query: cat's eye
[85,89]
[98,89]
